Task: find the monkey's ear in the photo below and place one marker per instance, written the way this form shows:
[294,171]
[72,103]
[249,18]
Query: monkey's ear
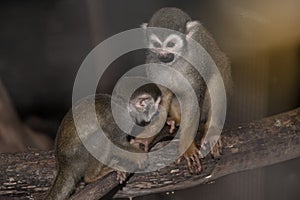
[144,26]
[191,28]
[157,102]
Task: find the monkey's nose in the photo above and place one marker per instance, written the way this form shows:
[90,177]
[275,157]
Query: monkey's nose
[166,58]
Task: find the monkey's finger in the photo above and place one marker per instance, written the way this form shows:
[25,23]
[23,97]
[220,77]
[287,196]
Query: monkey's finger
[189,164]
[171,130]
[172,126]
[194,159]
[121,176]
[179,160]
[132,141]
[197,165]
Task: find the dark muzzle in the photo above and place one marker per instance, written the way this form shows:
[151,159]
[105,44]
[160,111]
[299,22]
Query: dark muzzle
[166,58]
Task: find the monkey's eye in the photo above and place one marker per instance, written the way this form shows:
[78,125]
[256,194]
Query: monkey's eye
[170,44]
[156,44]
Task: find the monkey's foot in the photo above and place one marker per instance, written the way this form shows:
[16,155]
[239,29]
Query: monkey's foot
[192,158]
[215,146]
[121,176]
[217,149]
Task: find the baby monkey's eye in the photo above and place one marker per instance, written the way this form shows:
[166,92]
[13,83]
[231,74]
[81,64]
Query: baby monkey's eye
[156,44]
[170,44]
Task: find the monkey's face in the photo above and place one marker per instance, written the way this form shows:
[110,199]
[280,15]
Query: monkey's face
[167,49]
[143,108]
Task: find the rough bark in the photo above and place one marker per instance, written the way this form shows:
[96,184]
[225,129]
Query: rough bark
[256,144]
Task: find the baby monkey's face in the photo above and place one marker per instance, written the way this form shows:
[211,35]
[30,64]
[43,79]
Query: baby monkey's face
[143,108]
[144,103]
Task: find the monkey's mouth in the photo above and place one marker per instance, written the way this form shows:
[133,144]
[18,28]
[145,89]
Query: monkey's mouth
[142,122]
[166,58]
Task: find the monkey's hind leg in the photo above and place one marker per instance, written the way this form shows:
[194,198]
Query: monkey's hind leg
[213,140]
[95,171]
[212,143]
[98,170]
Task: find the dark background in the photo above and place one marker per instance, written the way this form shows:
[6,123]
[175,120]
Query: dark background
[43,43]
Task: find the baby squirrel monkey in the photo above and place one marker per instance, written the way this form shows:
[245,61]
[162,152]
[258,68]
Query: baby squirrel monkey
[173,120]
[75,162]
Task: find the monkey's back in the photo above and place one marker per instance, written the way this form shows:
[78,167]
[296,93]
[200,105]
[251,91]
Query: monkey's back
[68,142]
[73,159]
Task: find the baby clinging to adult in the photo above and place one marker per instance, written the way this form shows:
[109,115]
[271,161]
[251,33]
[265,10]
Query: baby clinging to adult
[75,162]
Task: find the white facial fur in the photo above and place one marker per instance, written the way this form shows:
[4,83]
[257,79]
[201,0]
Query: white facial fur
[143,108]
[173,44]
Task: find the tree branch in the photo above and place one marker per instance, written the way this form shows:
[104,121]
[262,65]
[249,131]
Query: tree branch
[256,144]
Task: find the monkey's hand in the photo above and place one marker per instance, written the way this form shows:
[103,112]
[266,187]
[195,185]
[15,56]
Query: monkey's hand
[145,141]
[192,158]
[172,125]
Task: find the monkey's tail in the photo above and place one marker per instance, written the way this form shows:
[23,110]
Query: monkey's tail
[63,185]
